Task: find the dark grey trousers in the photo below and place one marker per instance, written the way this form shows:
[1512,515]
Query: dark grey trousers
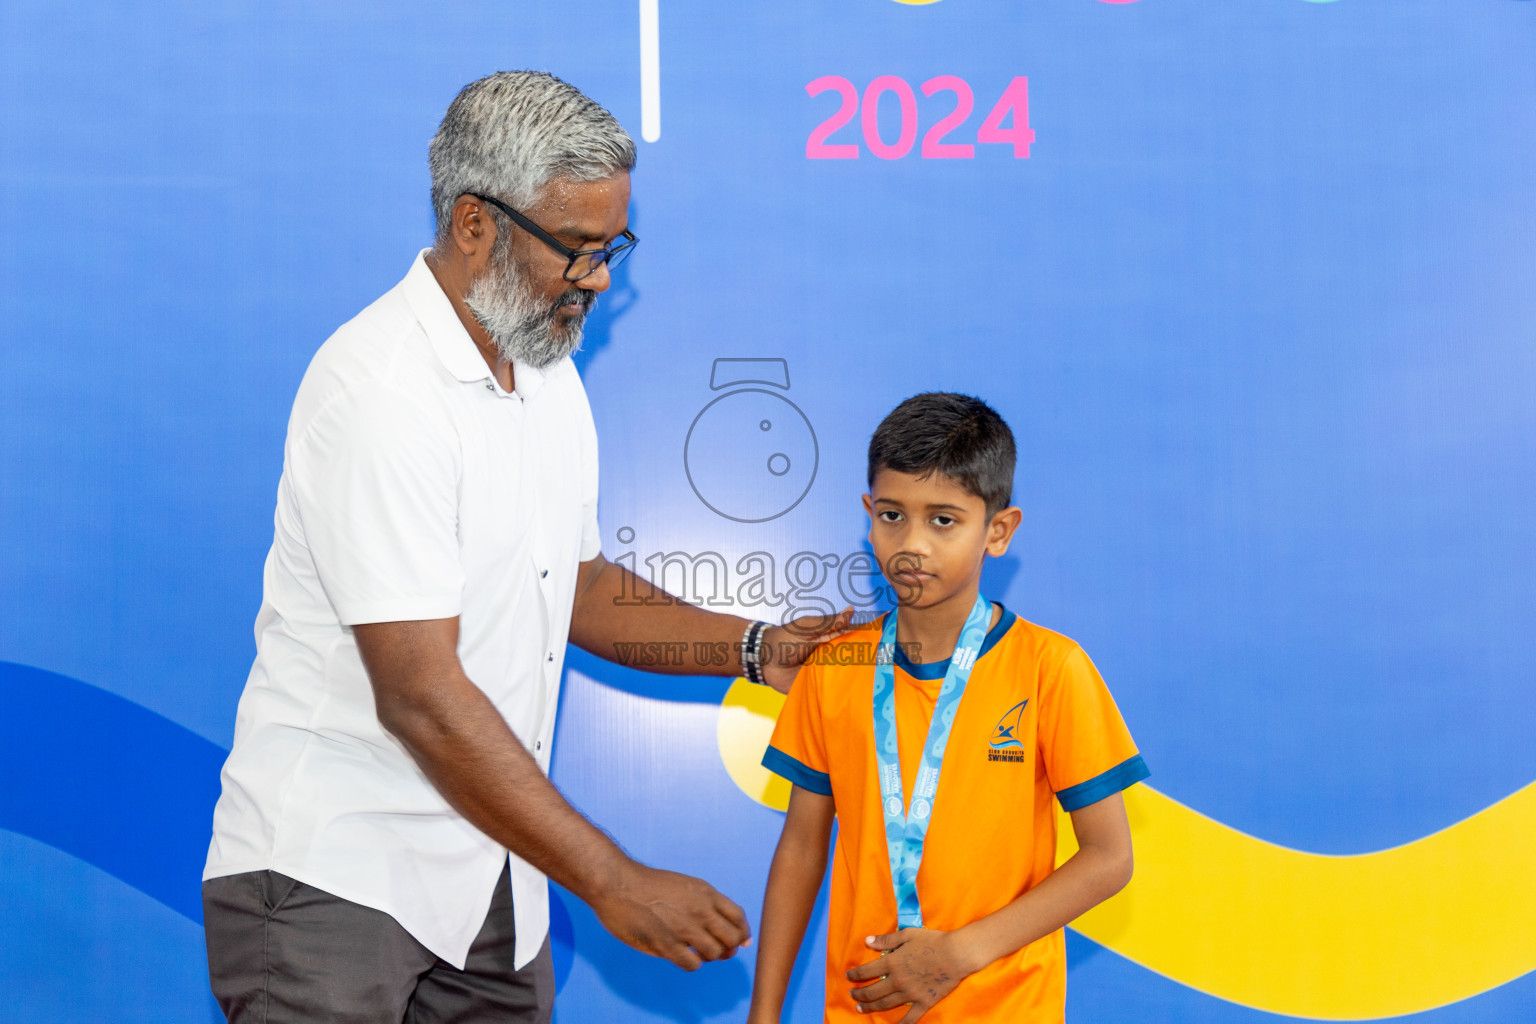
[281,951]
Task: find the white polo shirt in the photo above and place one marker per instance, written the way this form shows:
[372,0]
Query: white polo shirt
[413,487]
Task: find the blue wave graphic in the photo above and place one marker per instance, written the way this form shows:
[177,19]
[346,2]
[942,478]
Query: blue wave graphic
[127,790]
[108,781]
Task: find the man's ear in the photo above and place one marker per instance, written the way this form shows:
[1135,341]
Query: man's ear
[1001,529]
[473,231]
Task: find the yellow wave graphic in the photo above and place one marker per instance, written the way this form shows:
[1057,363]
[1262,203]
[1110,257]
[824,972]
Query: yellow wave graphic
[746,723]
[1339,938]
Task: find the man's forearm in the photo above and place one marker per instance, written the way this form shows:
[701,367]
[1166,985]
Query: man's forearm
[462,744]
[620,617]
[466,749]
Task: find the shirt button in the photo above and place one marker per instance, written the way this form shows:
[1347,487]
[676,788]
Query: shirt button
[551,657]
[538,745]
[543,573]
[490,387]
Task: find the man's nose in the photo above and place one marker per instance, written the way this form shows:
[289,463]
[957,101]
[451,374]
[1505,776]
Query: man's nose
[598,280]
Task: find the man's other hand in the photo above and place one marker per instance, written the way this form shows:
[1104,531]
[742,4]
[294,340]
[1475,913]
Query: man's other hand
[786,647]
[673,916]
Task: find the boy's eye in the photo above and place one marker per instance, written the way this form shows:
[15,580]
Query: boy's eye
[890,516]
[943,521]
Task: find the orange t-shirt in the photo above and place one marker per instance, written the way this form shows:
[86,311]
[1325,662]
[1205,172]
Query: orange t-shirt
[1036,723]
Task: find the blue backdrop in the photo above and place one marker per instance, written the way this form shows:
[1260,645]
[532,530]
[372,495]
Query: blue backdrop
[1259,304]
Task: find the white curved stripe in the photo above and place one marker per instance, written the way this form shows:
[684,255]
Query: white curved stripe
[650,71]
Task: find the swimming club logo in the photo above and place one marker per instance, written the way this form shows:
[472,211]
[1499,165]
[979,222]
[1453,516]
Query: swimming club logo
[1005,742]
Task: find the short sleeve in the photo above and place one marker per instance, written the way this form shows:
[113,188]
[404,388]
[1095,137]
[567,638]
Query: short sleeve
[798,749]
[1085,747]
[376,480]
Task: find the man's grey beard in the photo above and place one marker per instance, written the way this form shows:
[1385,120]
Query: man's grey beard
[522,329]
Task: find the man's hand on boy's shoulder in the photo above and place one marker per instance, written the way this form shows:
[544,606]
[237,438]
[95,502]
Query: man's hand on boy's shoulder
[786,647]
[920,966]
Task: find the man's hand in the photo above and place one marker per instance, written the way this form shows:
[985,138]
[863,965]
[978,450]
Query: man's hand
[786,647]
[677,917]
[920,966]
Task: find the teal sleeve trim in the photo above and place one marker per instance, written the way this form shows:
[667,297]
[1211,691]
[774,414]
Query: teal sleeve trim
[1122,776]
[780,763]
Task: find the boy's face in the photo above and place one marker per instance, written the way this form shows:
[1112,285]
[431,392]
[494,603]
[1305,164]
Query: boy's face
[931,535]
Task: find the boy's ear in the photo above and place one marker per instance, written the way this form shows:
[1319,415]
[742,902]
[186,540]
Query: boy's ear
[869,510]
[1000,530]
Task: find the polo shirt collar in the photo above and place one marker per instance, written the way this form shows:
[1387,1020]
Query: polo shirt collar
[527,380]
[452,343]
[939,669]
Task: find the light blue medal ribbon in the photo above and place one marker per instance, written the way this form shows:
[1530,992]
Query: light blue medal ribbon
[907,829]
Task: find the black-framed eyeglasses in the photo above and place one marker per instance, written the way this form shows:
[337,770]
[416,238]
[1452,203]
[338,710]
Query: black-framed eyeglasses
[580,263]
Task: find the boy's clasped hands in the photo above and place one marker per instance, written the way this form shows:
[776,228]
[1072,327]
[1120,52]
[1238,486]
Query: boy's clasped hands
[919,966]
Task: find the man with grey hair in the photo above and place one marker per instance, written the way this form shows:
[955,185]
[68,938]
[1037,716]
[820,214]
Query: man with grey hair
[381,845]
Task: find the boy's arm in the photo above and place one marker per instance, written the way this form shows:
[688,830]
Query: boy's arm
[926,965]
[799,864]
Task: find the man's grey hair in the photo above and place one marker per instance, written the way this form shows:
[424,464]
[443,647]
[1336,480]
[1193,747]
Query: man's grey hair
[511,133]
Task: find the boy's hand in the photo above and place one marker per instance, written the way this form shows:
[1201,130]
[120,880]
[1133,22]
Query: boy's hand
[921,966]
[786,647]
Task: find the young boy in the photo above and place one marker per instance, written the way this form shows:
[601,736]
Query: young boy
[942,766]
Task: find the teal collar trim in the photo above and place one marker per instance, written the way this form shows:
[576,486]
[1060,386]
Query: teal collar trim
[936,669]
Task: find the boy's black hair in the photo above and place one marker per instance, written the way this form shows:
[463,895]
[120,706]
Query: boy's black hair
[956,436]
